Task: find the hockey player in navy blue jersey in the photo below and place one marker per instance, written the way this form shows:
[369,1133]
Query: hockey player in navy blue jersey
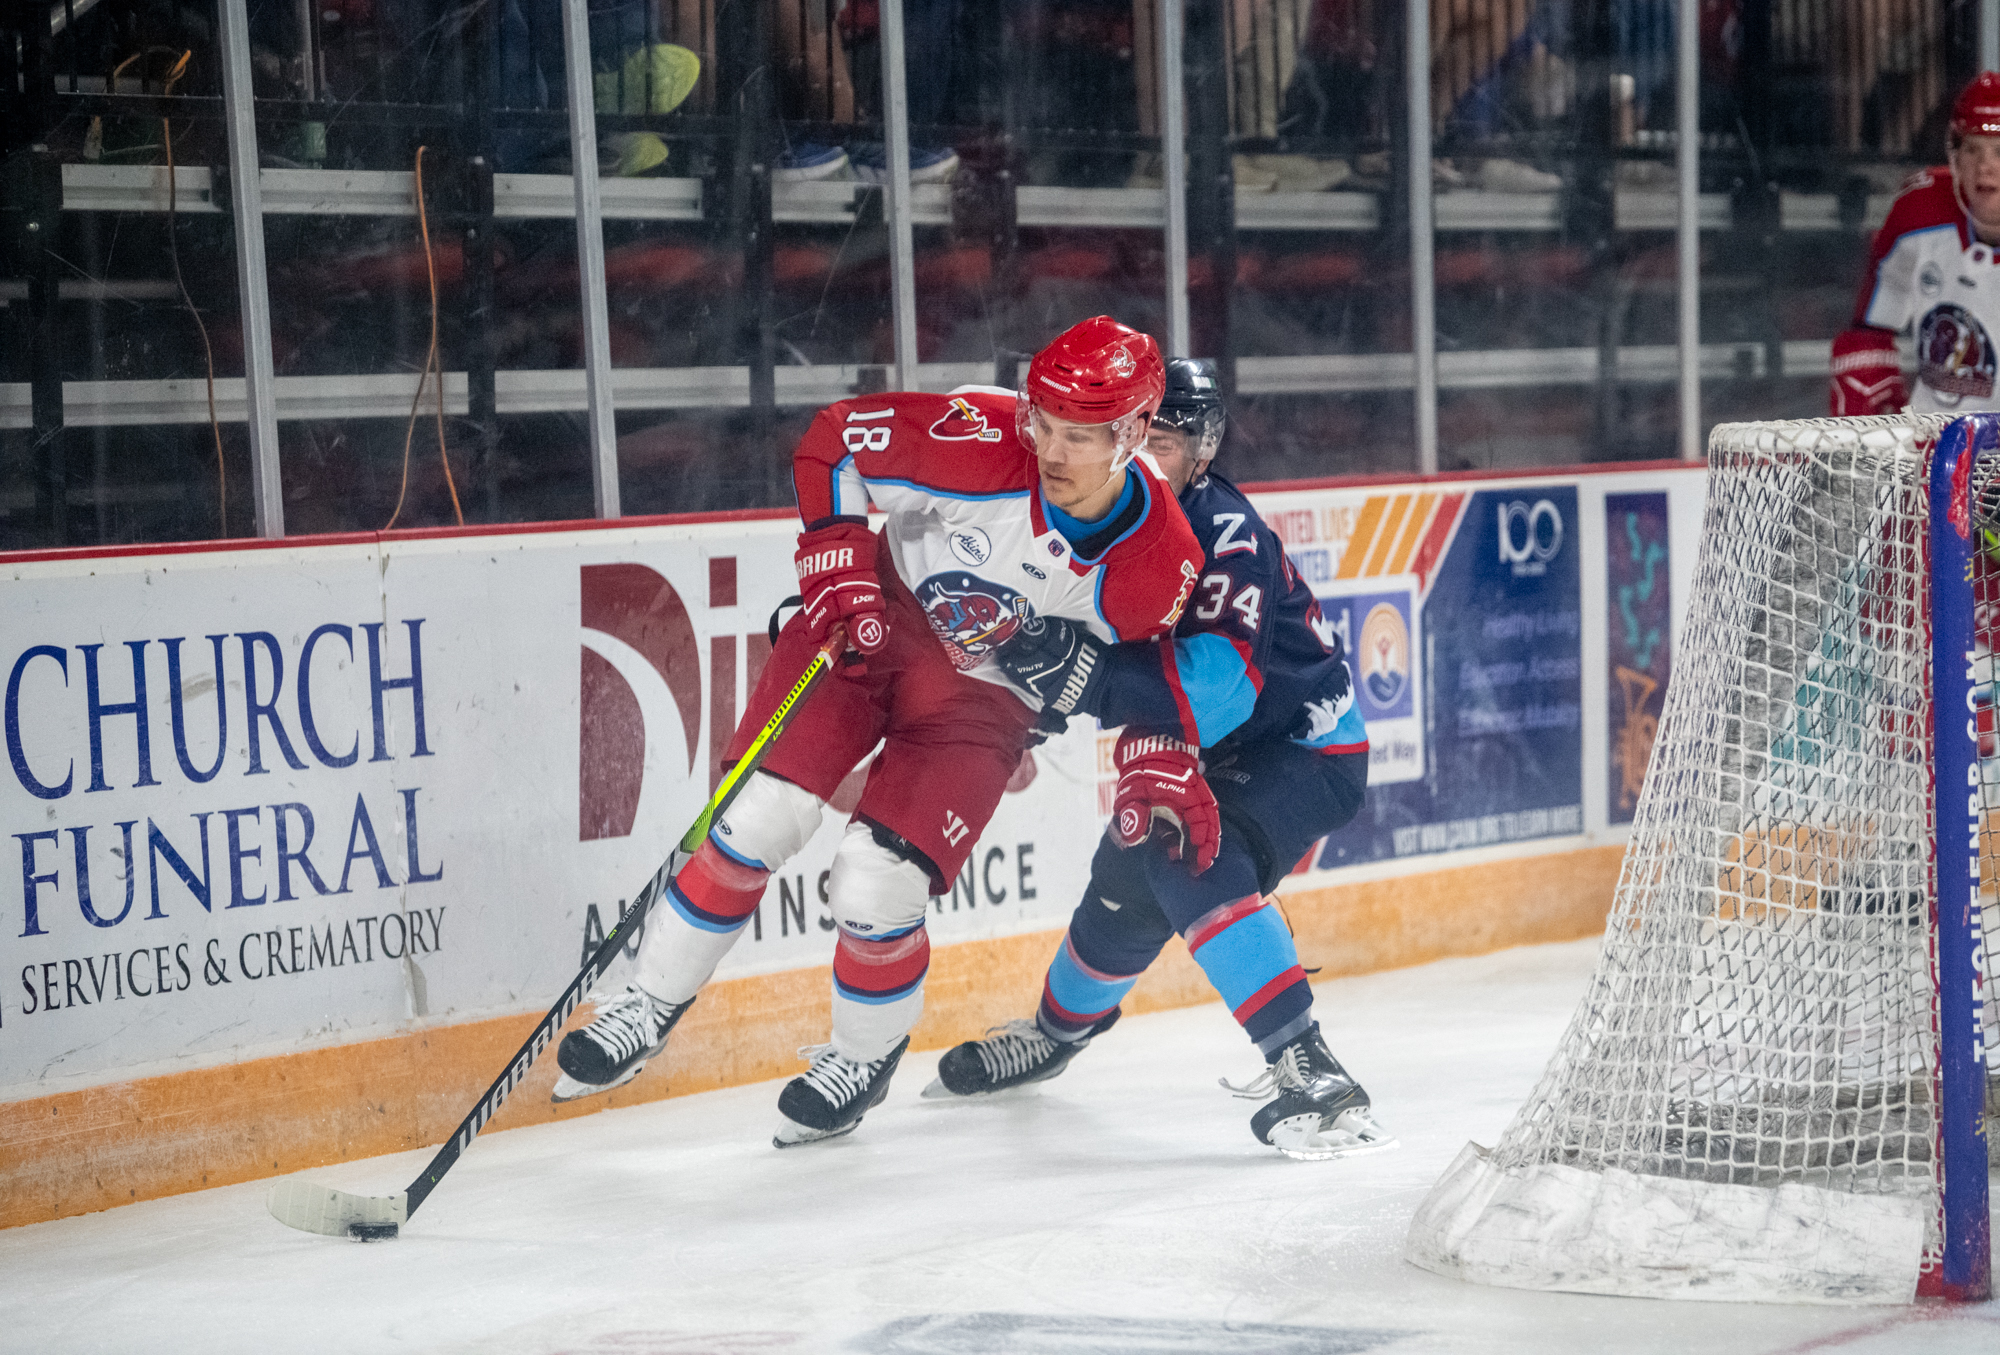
[1254,690]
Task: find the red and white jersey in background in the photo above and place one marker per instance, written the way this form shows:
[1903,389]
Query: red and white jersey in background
[1929,274]
[970,534]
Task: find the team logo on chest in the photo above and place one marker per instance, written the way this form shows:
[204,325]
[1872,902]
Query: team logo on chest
[964,422]
[1954,354]
[970,615]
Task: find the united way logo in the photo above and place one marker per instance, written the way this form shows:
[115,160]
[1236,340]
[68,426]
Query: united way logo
[1385,656]
[1954,355]
[964,422]
[970,615]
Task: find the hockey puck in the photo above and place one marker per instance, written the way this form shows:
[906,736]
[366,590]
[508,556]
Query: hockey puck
[371,1232]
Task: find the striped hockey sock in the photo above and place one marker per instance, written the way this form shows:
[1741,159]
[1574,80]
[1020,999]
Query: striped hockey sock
[878,990]
[707,904]
[1247,952]
[1076,996]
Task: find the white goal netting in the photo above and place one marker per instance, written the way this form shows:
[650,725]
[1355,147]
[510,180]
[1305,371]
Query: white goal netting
[1743,1105]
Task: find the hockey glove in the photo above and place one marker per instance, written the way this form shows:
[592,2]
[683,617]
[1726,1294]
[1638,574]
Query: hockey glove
[1057,660]
[837,580]
[1160,788]
[1866,379]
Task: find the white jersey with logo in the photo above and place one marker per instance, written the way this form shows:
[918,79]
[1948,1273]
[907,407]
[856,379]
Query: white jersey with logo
[970,535]
[1930,276]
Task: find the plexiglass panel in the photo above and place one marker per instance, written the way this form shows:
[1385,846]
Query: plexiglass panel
[430,349]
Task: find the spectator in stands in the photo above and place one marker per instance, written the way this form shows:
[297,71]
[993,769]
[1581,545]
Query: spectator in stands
[1496,70]
[929,27]
[632,72]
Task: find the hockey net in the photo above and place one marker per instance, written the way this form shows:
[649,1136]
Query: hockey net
[1745,1105]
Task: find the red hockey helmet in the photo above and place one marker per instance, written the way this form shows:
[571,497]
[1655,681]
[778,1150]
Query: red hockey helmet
[1097,372]
[1976,110]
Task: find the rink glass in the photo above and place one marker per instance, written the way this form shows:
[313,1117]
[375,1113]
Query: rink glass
[747,264]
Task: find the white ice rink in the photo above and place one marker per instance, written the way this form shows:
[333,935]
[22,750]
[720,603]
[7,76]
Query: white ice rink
[1123,1208]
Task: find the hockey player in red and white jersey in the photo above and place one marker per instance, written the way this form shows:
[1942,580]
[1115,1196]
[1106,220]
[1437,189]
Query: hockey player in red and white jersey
[1934,269]
[1001,507]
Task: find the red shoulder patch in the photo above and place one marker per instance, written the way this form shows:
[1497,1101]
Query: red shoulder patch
[1925,201]
[963,421]
[927,441]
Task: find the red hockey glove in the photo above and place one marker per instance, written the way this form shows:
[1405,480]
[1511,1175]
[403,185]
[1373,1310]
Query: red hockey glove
[1866,379]
[837,582]
[1160,787]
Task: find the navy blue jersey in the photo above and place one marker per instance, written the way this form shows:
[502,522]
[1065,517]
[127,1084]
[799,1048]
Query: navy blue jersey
[1251,658]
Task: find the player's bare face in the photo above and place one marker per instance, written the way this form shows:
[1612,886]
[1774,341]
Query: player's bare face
[1975,168]
[1173,452]
[1076,462]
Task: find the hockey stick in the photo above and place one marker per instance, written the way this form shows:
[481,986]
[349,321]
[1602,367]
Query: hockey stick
[314,1208]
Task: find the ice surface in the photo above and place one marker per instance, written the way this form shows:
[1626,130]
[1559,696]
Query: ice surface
[1122,1208]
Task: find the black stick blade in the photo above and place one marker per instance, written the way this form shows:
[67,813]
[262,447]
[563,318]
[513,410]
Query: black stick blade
[313,1208]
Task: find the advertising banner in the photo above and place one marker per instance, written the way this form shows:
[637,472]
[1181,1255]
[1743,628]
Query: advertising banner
[263,798]
[1467,664]
[1639,638]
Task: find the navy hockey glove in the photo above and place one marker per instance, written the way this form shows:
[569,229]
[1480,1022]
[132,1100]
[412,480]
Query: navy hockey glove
[1057,660]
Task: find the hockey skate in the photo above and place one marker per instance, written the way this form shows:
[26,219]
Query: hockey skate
[609,1052]
[833,1095]
[1012,1055]
[1320,1112]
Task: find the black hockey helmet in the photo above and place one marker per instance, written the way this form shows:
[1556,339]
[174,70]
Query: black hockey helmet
[1193,405]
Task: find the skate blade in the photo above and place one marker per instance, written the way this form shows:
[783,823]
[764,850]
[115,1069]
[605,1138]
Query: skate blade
[792,1134]
[937,1091]
[1353,1133]
[568,1088]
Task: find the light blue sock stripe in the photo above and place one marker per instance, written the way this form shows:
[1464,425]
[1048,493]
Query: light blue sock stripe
[1081,993]
[1246,955]
[715,837]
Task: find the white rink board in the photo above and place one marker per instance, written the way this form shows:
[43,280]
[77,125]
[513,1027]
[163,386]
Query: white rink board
[487,915]
[501,926]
